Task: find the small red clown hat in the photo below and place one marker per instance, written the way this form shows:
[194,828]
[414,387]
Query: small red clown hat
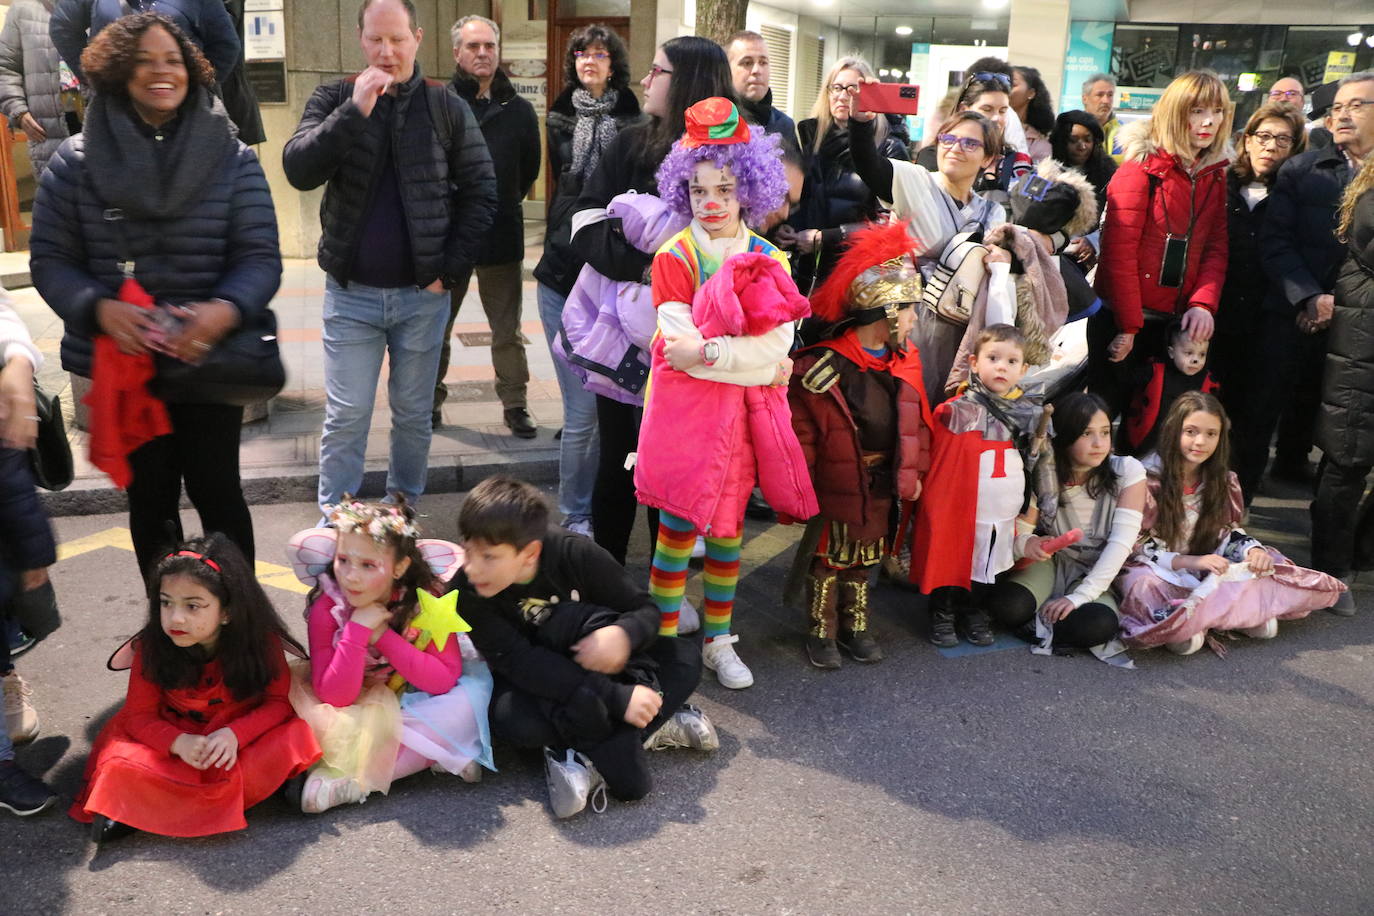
[714,122]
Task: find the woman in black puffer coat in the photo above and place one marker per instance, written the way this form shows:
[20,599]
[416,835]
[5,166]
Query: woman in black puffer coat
[198,224]
[835,201]
[1342,519]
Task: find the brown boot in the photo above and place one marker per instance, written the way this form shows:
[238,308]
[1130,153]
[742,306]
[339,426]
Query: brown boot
[855,634]
[820,639]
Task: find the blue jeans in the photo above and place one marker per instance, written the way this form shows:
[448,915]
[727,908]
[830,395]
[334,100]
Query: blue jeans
[361,323]
[577,454]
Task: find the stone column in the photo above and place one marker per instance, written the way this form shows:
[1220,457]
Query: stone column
[1038,37]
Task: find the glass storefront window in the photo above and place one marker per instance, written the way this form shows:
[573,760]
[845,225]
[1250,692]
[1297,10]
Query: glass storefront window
[1144,55]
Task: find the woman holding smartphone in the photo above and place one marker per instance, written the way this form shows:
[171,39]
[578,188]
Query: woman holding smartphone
[1164,236]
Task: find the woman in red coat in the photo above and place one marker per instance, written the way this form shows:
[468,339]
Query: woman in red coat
[1164,233]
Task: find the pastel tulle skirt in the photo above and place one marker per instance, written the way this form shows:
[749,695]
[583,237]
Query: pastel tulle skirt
[363,740]
[1155,610]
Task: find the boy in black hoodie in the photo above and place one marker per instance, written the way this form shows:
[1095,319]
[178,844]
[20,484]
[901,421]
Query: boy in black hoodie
[573,645]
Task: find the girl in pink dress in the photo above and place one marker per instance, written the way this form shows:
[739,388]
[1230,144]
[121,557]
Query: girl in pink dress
[393,686]
[1195,569]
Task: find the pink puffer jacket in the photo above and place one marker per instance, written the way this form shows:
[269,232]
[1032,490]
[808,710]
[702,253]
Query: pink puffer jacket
[607,324]
[702,443]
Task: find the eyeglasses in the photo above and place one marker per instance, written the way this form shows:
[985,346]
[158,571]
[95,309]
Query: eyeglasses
[593,55]
[655,70]
[1280,141]
[1277,94]
[967,144]
[842,89]
[1351,107]
[1000,79]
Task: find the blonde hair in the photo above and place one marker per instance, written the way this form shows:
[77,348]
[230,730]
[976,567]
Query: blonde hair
[1362,182]
[821,109]
[1169,123]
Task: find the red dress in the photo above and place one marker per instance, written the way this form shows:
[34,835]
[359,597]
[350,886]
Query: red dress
[133,777]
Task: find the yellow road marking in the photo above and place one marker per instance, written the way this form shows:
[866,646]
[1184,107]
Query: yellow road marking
[268,573]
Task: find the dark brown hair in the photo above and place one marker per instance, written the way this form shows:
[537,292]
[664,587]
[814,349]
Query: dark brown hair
[1281,111]
[503,510]
[589,37]
[992,134]
[1072,414]
[1214,514]
[110,58]
[999,333]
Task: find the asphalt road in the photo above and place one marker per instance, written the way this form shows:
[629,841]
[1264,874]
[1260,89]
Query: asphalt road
[996,782]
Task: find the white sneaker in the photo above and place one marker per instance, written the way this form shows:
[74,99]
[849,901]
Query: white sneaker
[688,620]
[582,526]
[688,727]
[1187,646]
[21,719]
[699,548]
[1267,630]
[719,655]
[572,781]
[326,788]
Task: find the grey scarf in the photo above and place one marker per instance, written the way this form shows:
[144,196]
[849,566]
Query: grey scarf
[593,131]
[149,178]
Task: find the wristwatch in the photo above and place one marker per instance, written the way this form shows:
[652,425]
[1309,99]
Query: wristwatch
[710,352]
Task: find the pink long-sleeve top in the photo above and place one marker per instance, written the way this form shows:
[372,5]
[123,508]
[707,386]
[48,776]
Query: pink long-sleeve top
[337,668]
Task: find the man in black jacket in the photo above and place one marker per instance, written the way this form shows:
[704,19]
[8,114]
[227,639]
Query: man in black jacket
[751,72]
[511,130]
[409,196]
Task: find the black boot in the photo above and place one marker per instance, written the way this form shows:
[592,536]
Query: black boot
[855,634]
[976,627]
[103,829]
[820,639]
[942,617]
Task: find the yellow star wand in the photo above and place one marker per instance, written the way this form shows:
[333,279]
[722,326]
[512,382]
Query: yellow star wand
[437,621]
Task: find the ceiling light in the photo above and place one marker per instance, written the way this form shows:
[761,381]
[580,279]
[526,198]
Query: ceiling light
[1354,38]
[994,4]
[903,30]
[1369,39]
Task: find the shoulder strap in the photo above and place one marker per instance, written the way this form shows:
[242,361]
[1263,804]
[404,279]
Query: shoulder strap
[439,114]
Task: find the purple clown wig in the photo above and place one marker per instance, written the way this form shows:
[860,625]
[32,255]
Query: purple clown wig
[756,163]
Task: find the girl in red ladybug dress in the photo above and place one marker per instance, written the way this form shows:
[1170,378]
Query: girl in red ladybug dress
[207,729]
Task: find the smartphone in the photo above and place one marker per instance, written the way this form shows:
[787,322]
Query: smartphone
[889,98]
[1174,262]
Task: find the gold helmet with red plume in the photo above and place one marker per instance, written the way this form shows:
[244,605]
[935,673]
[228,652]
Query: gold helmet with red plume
[874,279]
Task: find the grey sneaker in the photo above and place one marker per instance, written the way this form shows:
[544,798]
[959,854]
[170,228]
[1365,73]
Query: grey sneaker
[688,727]
[1344,606]
[573,781]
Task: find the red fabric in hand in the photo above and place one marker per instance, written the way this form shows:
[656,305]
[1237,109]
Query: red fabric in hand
[124,415]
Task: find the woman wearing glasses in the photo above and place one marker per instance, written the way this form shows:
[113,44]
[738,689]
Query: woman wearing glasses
[685,71]
[1273,133]
[1163,251]
[594,106]
[937,205]
[988,94]
[835,201]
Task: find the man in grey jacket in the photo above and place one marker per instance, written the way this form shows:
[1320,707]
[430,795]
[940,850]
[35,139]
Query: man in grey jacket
[31,80]
[409,196]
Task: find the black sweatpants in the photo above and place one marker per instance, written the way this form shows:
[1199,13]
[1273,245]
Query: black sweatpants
[203,451]
[1342,520]
[1283,364]
[613,496]
[519,719]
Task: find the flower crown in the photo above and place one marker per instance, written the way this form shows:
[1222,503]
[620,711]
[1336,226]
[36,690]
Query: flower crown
[375,521]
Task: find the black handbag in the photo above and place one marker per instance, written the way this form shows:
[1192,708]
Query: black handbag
[51,454]
[244,368]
